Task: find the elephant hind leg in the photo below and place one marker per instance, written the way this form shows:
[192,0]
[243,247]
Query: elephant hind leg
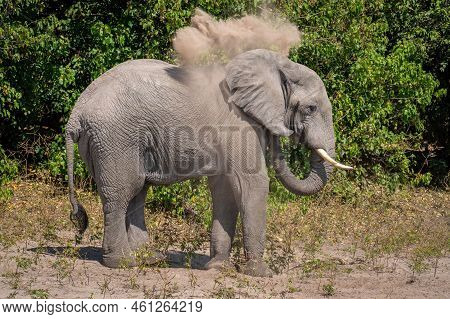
[116,250]
[117,191]
[225,212]
[137,231]
[135,221]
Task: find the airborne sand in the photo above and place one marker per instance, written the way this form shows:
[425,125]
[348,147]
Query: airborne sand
[224,39]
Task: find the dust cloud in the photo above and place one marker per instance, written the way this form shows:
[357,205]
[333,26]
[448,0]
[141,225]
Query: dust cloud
[210,40]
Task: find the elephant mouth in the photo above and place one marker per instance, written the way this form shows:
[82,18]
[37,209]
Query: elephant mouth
[300,137]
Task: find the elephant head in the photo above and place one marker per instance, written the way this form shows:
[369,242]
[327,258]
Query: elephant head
[288,99]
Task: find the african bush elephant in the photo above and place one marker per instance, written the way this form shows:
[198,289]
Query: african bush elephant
[147,122]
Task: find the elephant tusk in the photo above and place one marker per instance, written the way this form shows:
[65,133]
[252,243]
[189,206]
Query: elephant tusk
[322,153]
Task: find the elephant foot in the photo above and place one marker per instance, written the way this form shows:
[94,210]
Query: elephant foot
[218,263]
[256,268]
[119,261]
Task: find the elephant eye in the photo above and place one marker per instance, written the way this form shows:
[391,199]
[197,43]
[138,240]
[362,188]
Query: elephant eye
[310,109]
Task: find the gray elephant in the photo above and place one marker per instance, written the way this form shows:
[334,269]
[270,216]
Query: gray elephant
[147,122]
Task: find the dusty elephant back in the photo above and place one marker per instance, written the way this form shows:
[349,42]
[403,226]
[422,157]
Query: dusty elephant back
[135,78]
[134,92]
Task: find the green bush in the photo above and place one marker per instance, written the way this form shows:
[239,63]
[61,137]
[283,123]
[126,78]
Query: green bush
[190,199]
[379,90]
[384,63]
[55,160]
[51,51]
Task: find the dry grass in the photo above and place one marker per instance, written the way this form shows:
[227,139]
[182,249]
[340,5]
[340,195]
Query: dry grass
[375,227]
[311,243]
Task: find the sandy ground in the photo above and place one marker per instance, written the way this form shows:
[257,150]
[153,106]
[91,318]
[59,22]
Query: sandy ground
[319,245]
[48,271]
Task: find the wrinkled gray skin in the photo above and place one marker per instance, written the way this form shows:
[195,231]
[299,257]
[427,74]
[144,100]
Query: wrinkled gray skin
[143,123]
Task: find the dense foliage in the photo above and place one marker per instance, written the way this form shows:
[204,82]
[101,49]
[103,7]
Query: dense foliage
[384,63]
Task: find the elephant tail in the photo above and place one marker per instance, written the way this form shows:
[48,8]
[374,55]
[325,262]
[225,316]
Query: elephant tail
[78,215]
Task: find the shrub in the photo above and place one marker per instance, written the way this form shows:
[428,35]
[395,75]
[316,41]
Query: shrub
[384,63]
[52,51]
[379,90]
[189,199]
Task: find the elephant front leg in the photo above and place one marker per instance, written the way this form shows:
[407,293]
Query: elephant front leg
[225,212]
[254,231]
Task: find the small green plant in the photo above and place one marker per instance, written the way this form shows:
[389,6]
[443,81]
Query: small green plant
[166,289]
[292,287]
[150,293]
[12,295]
[104,286]
[328,290]
[64,268]
[39,294]
[193,280]
[223,292]
[13,279]
[318,266]
[50,231]
[146,257]
[23,263]
[71,252]
[126,262]
[132,282]
[427,254]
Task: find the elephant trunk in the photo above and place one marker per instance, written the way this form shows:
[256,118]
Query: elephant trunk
[313,183]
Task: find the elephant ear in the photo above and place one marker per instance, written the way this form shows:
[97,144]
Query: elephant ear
[256,85]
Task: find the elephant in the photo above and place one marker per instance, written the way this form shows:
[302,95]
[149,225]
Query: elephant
[146,122]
